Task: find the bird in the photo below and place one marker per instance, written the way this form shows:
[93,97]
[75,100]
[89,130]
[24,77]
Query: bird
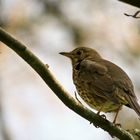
[101,84]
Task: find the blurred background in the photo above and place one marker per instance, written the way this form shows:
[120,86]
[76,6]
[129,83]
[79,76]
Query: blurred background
[29,110]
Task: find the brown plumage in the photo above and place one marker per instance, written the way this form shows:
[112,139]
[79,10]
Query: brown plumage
[101,84]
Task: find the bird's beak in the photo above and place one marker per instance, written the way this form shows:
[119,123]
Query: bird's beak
[67,54]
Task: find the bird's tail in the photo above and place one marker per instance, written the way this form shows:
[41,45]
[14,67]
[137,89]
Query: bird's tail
[134,104]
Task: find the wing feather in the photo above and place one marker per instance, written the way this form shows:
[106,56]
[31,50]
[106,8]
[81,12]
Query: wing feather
[96,74]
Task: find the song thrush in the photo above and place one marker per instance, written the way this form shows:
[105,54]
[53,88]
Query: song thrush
[101,84]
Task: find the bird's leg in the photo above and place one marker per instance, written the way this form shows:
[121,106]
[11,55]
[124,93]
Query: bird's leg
[98,113]
[114,121]
[77,98]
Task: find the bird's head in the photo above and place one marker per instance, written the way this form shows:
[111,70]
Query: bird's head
[81,53]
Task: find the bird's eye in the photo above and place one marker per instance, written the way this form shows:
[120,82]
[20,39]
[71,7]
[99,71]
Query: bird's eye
[78,52]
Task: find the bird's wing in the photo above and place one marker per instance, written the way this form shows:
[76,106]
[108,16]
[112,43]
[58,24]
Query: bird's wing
[102,82]
[126,85]
[96,76]
[129,95]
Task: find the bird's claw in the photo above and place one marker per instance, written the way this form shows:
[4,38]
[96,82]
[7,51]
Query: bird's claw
[117,124]
[94,125]
[103,116]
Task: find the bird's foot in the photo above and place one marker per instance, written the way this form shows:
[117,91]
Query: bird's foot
[47,66]
[117,124]
[103,116]
[94,125]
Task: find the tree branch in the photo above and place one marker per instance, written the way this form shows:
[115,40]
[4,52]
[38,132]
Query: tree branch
[135,3]
[135,132]
[135,15]
[59,91]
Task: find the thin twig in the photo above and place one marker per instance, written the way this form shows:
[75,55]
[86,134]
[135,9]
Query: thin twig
[135,3]
[135,15]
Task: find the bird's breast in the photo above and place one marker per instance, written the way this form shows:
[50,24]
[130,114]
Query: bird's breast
[90,96]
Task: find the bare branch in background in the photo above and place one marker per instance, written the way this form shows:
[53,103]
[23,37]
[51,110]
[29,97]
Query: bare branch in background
[135,15]
[135,3]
